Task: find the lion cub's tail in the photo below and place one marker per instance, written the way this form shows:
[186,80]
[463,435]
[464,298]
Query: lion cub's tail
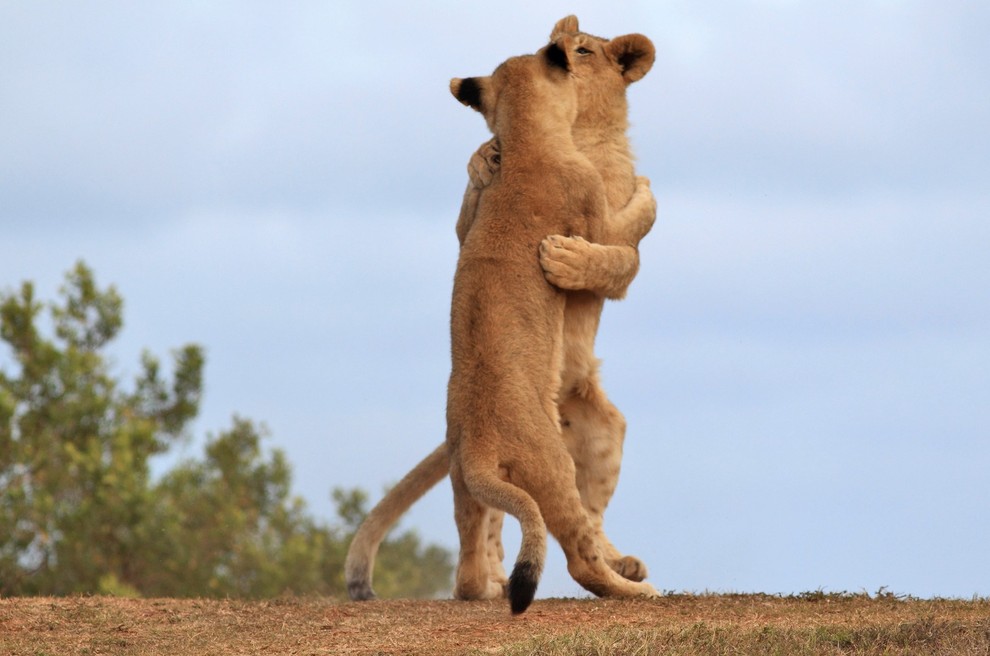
[360,563]
[491,490]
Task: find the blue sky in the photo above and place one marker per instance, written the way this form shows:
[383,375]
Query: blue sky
[804,359]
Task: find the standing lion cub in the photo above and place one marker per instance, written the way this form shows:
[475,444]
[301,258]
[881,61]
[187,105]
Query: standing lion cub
[507,329]
[592,428]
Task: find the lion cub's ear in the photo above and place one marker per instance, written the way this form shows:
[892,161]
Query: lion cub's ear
[634,53]
[470,91]
[567,25]
[558,53]
[557,57]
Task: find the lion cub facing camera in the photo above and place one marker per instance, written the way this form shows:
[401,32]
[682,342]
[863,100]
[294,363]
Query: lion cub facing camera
[503,423]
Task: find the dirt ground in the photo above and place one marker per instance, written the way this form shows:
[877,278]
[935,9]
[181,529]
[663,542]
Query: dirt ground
[101,625]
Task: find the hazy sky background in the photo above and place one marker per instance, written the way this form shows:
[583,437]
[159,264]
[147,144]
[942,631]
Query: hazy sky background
[803,361]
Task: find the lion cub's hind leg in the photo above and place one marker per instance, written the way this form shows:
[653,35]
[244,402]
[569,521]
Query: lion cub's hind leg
[594,431]
[549,475]
[495,548]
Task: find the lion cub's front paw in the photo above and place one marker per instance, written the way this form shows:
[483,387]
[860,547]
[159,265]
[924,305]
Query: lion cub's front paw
[564,261]
[484,164]
[650,205]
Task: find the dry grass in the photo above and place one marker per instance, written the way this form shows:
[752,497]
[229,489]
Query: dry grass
[813,623]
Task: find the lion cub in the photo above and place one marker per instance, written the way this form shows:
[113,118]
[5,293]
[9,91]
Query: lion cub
[503,424]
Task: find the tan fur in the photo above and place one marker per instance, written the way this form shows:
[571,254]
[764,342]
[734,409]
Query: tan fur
[507,331]
[593,429]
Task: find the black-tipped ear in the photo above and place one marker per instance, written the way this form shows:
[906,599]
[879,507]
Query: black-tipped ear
[634,53]
[467,91]
[556,56]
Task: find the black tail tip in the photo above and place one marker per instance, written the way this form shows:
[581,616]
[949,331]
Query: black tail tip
[522,586]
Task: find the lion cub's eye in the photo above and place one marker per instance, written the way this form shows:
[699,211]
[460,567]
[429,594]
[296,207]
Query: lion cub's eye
[583,51]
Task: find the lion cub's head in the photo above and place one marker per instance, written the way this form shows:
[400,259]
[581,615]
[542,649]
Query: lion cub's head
[525,91]
[603,68]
